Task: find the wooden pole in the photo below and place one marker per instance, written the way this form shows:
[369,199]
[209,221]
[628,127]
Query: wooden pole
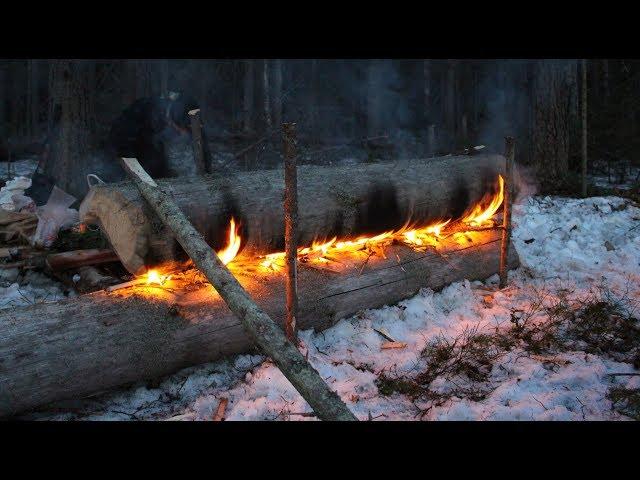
[584,128]
[506,209]
[196,135]
[262,330]
[291,226]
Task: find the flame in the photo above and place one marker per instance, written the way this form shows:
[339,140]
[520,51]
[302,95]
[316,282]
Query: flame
[153,276]
[228,253]
[479,216]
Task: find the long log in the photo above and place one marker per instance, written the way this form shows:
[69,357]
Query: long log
[76,347]
[340,201]
[262,330]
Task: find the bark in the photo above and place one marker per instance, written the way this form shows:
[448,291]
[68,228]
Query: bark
[100,341]
[262,330]
[506,209]
[331,201]
[291,226]
[553,104]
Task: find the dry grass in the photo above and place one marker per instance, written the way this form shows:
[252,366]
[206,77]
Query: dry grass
[600,323]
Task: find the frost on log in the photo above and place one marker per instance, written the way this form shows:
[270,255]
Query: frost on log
[340,201]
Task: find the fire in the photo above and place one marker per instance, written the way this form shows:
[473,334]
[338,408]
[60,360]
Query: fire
[228,253]
[479,216]
[153,276]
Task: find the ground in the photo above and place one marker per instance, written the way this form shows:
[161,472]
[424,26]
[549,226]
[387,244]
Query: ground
[550,346]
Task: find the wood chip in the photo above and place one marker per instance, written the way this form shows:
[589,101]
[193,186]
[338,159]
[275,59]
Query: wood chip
[390,345]
[384,334]
[222,407]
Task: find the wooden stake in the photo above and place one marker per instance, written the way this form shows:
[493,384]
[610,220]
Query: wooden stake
[261,329]
[506,209]
[584,128]
[196,134]
[291,226]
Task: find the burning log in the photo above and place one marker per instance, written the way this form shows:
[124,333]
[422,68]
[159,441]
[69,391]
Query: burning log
[332,201]
[263,332]
[104,340]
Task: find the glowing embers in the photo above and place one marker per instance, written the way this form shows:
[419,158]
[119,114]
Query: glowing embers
[153,277]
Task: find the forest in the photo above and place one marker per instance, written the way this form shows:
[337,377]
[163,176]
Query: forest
[360,109]
[319,239]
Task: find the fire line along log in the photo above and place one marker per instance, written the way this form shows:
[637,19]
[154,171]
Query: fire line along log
[332,201]
[80,346]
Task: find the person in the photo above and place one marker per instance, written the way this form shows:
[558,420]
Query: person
[145,129]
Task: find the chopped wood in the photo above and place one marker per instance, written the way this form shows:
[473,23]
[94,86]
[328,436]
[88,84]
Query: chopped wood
[222,407]
[392,345]
[80,258]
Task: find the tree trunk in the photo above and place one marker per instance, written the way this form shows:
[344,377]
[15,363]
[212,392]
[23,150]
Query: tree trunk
[450,101]
[554,85]
[248,97]
[33,98]
[100,341]
[426,70]
[373,98]
[266,94]
[3,98]
[164,78]
[277,92]
[68,165]
[381,197]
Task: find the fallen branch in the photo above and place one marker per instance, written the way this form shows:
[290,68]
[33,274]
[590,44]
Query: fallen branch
[260,327]
[218,416]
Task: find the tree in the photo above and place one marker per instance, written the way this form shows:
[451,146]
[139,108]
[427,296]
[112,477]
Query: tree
[553,100]
[373,98]
[277,92]
[247,104]
[266,93]
[72,134]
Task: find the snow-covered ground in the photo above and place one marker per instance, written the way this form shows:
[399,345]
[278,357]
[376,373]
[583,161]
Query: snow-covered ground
[567,247]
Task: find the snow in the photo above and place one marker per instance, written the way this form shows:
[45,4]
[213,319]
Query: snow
[563,247]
